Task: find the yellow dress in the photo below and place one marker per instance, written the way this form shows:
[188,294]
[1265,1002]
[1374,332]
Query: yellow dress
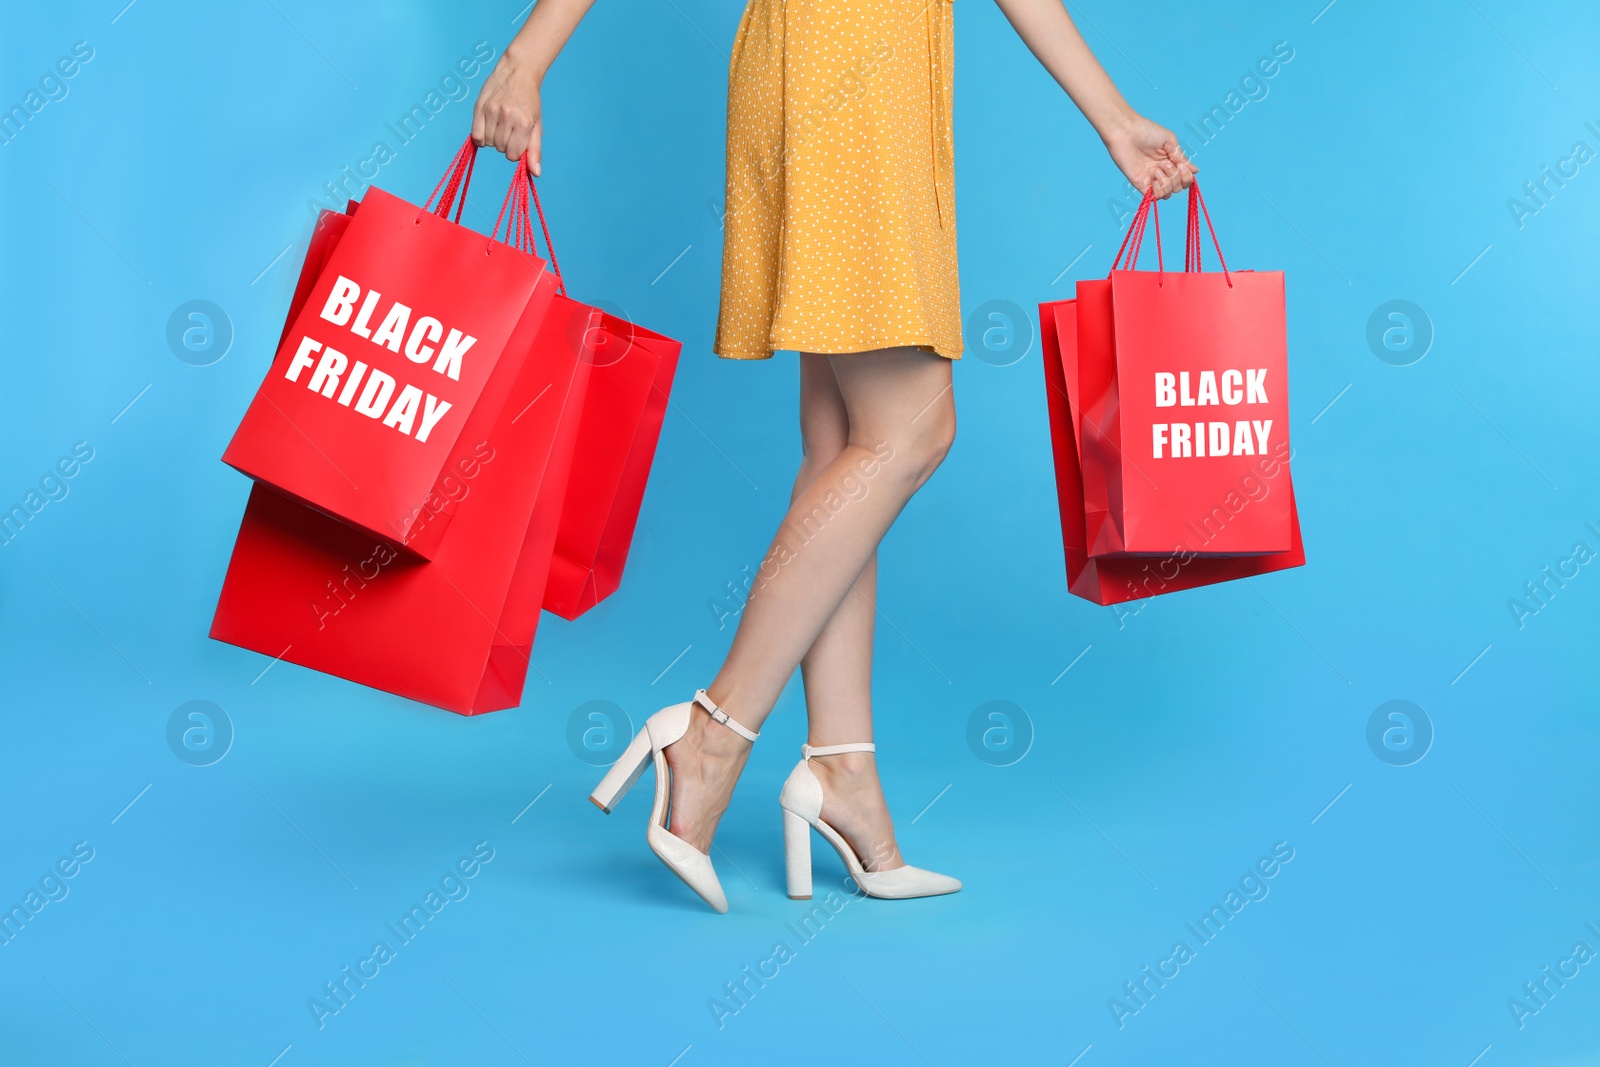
[840,228]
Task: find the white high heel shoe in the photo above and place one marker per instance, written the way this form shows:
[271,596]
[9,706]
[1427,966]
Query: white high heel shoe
[801,801]
[660,730]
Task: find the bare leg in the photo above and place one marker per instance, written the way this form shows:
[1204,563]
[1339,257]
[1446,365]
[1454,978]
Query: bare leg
[838,667]
[901,421]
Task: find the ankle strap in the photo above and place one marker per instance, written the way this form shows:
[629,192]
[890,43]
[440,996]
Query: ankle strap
[721,716]
[807,751]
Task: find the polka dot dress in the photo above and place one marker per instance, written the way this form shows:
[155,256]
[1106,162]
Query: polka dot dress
[840,223]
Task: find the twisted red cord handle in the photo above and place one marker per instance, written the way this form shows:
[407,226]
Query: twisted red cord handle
[561,283]
[1196,198]
[1191,238]
[519,225]
[1135,227]
[511,203]
[472,161]
[1133,241]
[458,172]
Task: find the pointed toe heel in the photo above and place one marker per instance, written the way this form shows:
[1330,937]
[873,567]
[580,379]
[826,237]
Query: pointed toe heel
[801,801]
[648,747]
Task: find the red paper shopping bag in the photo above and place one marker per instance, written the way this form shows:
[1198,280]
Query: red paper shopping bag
[1184,389]
[630,379]
[456,631]
[398,358]
[629,384]
[1115,579]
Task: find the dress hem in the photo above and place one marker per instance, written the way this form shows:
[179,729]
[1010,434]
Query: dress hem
[853,351]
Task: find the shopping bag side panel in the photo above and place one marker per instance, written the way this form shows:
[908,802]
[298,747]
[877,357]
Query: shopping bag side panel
[512,654]
[1084,577]
[617,538]
[325,234]
[524,599]
[504,679]
[1100,452]
[623,416]
[619,386]
[1057,335]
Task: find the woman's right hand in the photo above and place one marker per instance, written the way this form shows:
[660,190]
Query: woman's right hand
[507,115]
[1149,157]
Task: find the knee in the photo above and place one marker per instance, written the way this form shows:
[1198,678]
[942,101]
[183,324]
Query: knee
[922,445]
[818,450]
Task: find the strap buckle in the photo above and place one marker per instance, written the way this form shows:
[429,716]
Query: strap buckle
[717,714]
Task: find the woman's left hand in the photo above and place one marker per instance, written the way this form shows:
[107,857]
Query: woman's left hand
[1149,156]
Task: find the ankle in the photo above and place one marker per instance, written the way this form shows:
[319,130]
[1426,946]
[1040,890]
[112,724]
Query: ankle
[708,740]
[847,767]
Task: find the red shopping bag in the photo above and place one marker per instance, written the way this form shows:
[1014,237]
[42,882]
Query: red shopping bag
[630,379]
[629,385]
[1184,388]
[1119,578]
[398,358]
[457,631]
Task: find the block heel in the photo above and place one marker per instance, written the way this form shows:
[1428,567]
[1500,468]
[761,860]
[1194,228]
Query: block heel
[623,773]
[797,855]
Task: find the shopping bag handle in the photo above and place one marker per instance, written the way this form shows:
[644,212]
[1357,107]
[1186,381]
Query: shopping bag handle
[1192,244]
[458,177]
[544,227]
[456,180]
[519,232]
[1133,242]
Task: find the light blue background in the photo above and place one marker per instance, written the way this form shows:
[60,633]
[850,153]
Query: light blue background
[1184,741]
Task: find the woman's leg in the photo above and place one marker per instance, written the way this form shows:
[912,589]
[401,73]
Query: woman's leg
[837,669]
[901,421]
[838,681]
